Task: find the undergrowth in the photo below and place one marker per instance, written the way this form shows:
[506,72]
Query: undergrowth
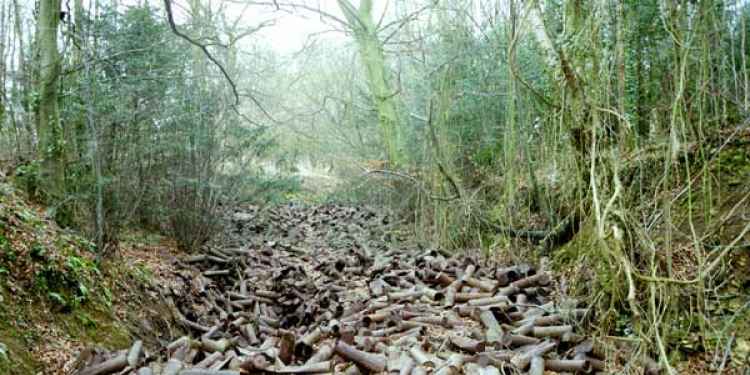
[55,298]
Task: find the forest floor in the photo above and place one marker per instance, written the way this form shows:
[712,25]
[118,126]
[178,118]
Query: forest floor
[56,301]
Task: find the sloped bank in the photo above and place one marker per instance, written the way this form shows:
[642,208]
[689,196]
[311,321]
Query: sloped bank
[55,300]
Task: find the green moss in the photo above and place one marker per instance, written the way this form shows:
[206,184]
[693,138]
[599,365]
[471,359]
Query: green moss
[19,358]
[51,288]
[592,265]
[93,323]
[734,165]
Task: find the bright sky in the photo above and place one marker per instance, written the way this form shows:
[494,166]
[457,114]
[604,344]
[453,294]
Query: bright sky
[287,35]
[293,27]
[290,31]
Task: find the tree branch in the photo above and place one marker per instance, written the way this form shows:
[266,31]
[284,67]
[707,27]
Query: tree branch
[173,26]
[414,180]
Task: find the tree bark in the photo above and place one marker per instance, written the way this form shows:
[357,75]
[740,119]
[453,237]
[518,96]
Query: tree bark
[373,58]
[51,147]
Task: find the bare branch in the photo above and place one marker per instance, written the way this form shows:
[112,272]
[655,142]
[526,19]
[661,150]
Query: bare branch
[173,26]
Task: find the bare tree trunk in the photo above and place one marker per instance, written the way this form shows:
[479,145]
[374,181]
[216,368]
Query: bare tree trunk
[3,68]
[51,146]
[620,51]
[88,98]
[373,58]
[21,82]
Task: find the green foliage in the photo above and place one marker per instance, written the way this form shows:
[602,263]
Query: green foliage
[6,250]
[37,251]
[734,166]
[169,145]
[86,320]
[27,176]
[65,287]
[263,189]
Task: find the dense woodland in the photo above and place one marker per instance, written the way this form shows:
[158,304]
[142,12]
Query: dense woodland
[607,138]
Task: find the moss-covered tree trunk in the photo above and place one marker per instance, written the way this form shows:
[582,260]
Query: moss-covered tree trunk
[383,95]
[51,146]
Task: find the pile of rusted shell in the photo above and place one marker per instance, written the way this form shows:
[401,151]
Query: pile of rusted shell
[318,290]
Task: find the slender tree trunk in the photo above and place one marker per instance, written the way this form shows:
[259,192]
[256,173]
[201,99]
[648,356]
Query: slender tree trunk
[373,58]
[620,50]
[88,97]
[3,67]
[743,49]
[22,80]
[51,147]
[79,31]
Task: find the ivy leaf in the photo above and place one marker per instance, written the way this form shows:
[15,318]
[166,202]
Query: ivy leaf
[57,298]
[3,352]
[83,290]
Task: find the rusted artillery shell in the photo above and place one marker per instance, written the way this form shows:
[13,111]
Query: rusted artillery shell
[452,365]
[117,363]
[377,317]
[499,299]
[466,311]
[567,365]
[468,272]
[505,276]
[172,367]
[405,295]
[194,371]
[596,364]
[485,285]
[433,294]
[521,340]
[508,290]
[440,278]
[450,293]
[371,361]
[215,345]
[548,320]
[494,332]
[248,331]
[324,353]
[477,369]
[309,368]
[433,320]
[537,366]
[540,279]
[134,354]
[468,344]
[423,358]
[524,329]
[209,360]
[464,297]
[551,331]
[304,347]
[521,360]
[406,363]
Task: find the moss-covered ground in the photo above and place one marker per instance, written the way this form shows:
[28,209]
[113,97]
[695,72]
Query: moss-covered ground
[56,299]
